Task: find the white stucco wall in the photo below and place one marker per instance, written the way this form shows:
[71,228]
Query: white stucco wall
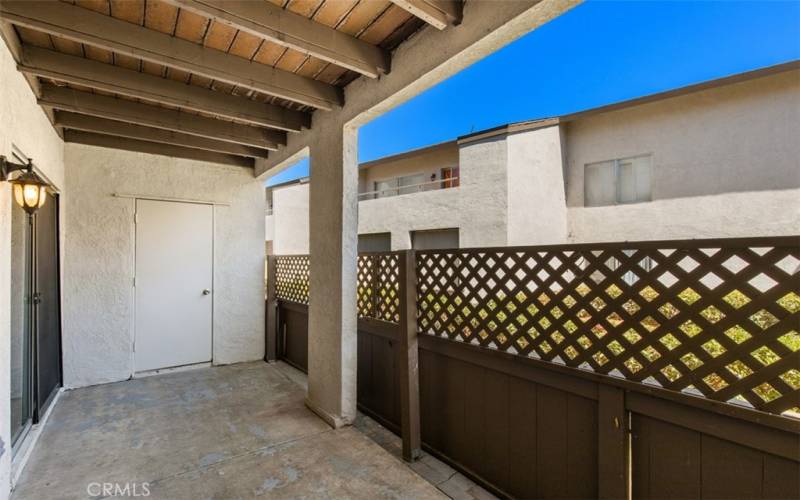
[428,161]
[99,259]
[269,227]
[24,125]
[477,207]
[726,162]
[537,213]
[290,220]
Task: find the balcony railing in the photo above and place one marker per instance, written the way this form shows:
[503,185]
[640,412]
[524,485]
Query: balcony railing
[410,189]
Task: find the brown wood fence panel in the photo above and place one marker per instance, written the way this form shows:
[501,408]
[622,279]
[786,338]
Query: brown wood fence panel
[378,385]
[534,361]
[671,461]
[293,334]
[518,437]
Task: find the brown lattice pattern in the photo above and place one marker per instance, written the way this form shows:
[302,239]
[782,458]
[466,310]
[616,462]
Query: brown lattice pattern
[719,318]
[291,278]
[378,290]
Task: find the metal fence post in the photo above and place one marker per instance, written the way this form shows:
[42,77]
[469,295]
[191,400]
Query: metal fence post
[272,310]
[409,358]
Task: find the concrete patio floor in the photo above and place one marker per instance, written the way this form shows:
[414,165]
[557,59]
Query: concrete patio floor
[237,431]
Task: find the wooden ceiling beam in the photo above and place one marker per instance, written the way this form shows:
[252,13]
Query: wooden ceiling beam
[438,13]
[110,141]
[62,98]
[9,35]
[98,75]
[97,29]
[283,27]
[76,121]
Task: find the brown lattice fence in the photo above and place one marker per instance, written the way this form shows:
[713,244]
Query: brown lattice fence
[291,278]
[378,290]
[715,318]
[638,370]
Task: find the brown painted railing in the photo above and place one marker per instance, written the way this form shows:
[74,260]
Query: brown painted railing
[540,367]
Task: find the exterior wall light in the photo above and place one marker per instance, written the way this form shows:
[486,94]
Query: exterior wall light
[29,189]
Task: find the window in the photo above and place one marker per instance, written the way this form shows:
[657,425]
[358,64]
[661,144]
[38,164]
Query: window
[386,188]
[411,183]
[375,242]
[450,177]
[614,182]
[433,239]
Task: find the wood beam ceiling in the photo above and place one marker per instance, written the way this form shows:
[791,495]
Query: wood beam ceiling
[9,35]
[97,29]
[438,13]
[288,29]
[98,75]
[76,121]
[110,141]
[170,80]
[101,106]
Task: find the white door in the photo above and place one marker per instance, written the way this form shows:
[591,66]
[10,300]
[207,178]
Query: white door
[174,266]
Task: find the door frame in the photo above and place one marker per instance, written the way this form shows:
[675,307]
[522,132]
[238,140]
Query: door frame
[39,411]
[135,199]
[32,270]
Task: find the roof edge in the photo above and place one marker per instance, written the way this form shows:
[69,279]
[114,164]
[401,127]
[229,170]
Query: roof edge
[299,180]
[527,125]
[509,128]
[689,89]
[408,154]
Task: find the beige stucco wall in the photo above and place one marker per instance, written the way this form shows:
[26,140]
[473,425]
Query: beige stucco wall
[24,125]
[477,207]
[269,227]
[425,162]
[290,219]
[726,162]
[537,213]
[99,258]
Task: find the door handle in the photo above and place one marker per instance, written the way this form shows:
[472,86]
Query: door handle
[206,291]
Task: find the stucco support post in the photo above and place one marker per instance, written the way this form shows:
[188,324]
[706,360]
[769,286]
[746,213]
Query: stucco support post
[333,214]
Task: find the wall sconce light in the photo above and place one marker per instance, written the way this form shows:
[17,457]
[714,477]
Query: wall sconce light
[29,189]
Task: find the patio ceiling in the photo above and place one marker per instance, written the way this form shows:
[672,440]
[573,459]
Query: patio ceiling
[204,79]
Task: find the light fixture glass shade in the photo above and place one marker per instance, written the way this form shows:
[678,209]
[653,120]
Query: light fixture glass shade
[30,191]
[18,195]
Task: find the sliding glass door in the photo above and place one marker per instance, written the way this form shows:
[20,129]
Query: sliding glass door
[47,312]
[21,324]
[35,315]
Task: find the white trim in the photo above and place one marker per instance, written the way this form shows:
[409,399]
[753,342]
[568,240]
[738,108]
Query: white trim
[20,460]
[164,198]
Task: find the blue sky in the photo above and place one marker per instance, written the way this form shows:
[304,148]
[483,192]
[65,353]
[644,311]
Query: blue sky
[598,53]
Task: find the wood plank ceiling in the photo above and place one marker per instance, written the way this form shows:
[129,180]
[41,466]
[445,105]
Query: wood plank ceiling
[222,81]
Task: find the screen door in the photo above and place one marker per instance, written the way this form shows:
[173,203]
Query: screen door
[173,284]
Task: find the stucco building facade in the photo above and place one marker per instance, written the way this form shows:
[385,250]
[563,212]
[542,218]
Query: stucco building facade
[717,159]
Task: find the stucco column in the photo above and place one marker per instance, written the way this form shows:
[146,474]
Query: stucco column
[333,214]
